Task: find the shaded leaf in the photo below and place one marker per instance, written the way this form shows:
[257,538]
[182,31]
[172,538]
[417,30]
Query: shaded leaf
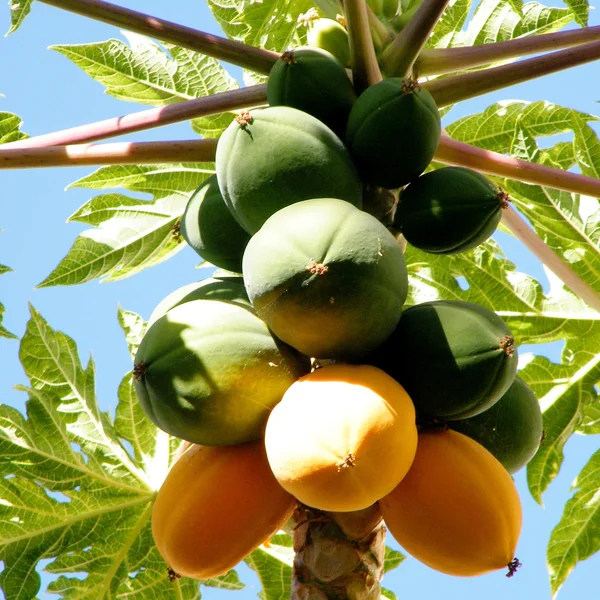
[19,9]
[273,565]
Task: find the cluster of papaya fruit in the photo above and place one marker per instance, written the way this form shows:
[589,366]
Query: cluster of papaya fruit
[299,376]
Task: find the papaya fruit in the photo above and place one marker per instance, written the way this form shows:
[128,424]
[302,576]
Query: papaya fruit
[327,278]
[272,157]
[329,35]
[209,372]
[209,228]
[312,80]
[511,429]
[449,210]
[393,132]
[455,359]
[215,506]
[228,289]
[342,437]
[457,509]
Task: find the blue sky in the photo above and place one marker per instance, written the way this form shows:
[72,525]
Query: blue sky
[50,93]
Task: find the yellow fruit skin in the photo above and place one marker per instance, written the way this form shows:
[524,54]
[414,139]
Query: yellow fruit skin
[457,510]
[217,505]
[342,437]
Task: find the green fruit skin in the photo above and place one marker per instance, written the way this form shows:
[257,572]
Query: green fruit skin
[329,35]
[392,135]
[448,211]
[229,289]
[210,229]
[283,156]
[328,279]
[511,429]
[212,372]
[449,356]
[314,81]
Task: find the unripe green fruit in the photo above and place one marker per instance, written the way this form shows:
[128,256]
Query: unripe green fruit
[313,80]
[393,132]
[272,157]
[331,36]
[455,359]
[209,228]
[327,278]
[449,210]
[511,429]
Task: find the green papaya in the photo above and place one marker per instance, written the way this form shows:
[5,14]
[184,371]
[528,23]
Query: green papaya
[393,132]
[210,372]
[449,210]
[230,289]
[272,157]
[511,429]
[331,36]
[312,80]
[327,278]
[209,228]
[455,359]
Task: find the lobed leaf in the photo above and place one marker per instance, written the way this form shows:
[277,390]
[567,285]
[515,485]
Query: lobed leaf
[273,565]
[10,128]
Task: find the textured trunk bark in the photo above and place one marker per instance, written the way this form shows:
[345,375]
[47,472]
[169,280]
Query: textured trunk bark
[339,556]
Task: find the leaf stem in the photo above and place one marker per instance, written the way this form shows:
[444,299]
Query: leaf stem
[437,61]
[450,90]
[230,51]
[124,153]
[541,250]
[458,153]
[365,69]
[398,58]
[255,95]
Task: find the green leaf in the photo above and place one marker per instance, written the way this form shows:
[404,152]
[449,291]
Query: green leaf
[448,31]
[4,332]
[10,128]
[145,73]
[577,535]
[392,559]
[273,565]
[19,9]
[581,11]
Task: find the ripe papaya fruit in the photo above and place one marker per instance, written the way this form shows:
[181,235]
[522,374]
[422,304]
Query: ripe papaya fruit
[272,157]
[457,509]
[393,132]
[216,506]
[455,359]
[327,278]
[342,437]
[228,289]
[312,80]
[449,210]
[511,429]
[329,35]
[209,228]
[209,372]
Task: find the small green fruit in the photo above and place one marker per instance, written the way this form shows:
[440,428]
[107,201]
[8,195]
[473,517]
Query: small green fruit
[331,36]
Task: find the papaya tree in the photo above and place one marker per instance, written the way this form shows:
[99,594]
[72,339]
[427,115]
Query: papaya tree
[80,481]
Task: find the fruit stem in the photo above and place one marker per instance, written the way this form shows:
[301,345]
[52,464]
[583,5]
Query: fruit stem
[255,95]
[458,153]
[398,58]
[450,90]
[437,61]
[365,68]
[230,51]
[124,153]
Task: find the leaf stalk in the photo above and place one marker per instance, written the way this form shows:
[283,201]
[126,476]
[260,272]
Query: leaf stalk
[438,61]
[230,51]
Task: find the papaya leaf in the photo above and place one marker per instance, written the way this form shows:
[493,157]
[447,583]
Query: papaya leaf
[130,234]
[591,419]
[392,559]
[581,11]
[71,493]
[19,9]
[4,332]
[501,20]
[577,535]
[10,128]
[143,72]
[273,565]
[495,127]
[448,31]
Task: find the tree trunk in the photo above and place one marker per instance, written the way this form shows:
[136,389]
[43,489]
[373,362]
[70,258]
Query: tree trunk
[339,556]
